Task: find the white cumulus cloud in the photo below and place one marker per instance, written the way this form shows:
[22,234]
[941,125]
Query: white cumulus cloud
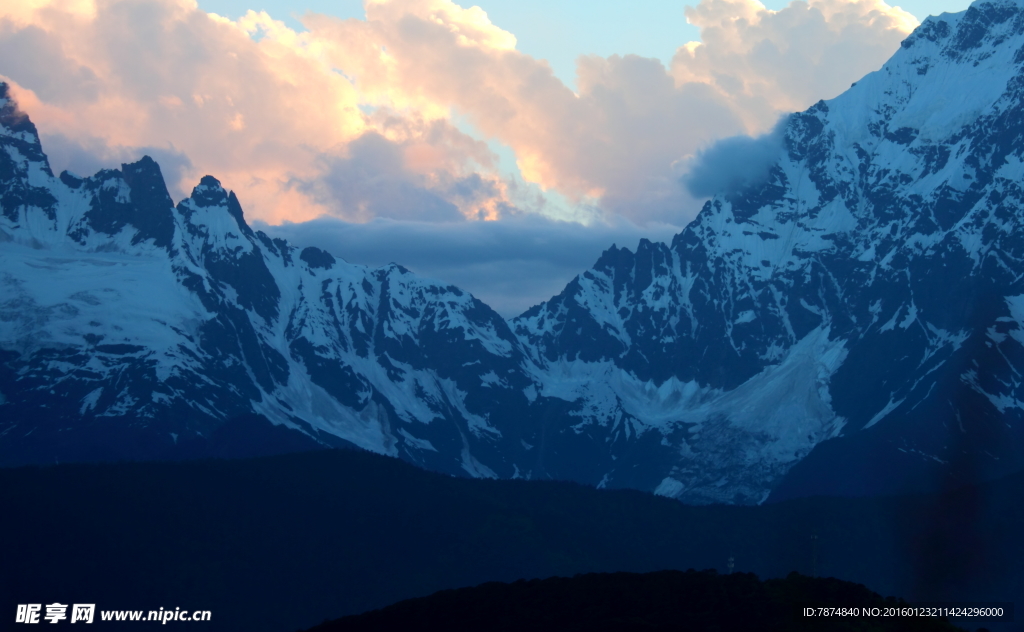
[361,118]
[395,118]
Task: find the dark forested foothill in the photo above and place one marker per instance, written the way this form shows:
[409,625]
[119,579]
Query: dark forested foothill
[667,600]
[281,543]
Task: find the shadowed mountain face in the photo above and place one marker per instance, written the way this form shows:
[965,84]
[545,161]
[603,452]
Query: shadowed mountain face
[133,328]
[850,326]
[856,316]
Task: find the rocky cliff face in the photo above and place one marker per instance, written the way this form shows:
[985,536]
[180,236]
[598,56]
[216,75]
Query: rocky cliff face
[134,328]
[862,306]
[851,325]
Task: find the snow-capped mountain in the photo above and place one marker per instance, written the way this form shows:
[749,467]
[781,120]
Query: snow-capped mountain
[133,328]
[859,313]
[851,325]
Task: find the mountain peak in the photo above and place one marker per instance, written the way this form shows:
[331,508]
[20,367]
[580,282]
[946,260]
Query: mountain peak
[12,120]
[19,132]
[317,258]
[210,194]
[153,217]
[24,168]
[982,26]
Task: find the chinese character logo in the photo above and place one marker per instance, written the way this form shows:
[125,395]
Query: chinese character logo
[56,612]
[28,613]
[83,612]
[80,612]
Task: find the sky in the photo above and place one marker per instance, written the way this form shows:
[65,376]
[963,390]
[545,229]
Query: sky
[499,146]
[559,31]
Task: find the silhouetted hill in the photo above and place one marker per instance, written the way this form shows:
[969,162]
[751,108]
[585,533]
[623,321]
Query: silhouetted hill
[665,600]
[284,542]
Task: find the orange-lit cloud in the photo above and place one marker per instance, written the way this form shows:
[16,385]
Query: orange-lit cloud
[251,102]
[356,118]
[616,139]
[626,134]
[765,62]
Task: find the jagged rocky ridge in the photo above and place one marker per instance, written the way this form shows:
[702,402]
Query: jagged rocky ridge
[852,325]
[869,292]
[133,327]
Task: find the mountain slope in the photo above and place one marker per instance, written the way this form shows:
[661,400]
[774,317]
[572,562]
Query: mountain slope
[852,325]
[133,328]
[868,290]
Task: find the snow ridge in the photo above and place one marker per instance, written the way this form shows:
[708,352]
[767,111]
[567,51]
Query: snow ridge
[861,307]
[886,239]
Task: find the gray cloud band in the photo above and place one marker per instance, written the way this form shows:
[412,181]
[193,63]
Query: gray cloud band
[510,265]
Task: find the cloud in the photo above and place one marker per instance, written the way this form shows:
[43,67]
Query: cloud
[87,155]
[250,101]
[297,123]
[373,182]
[510,265]
[767,62]
[735,163]
[621,138]
[393,121]
[614,141]
[406,177]
[36,59]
